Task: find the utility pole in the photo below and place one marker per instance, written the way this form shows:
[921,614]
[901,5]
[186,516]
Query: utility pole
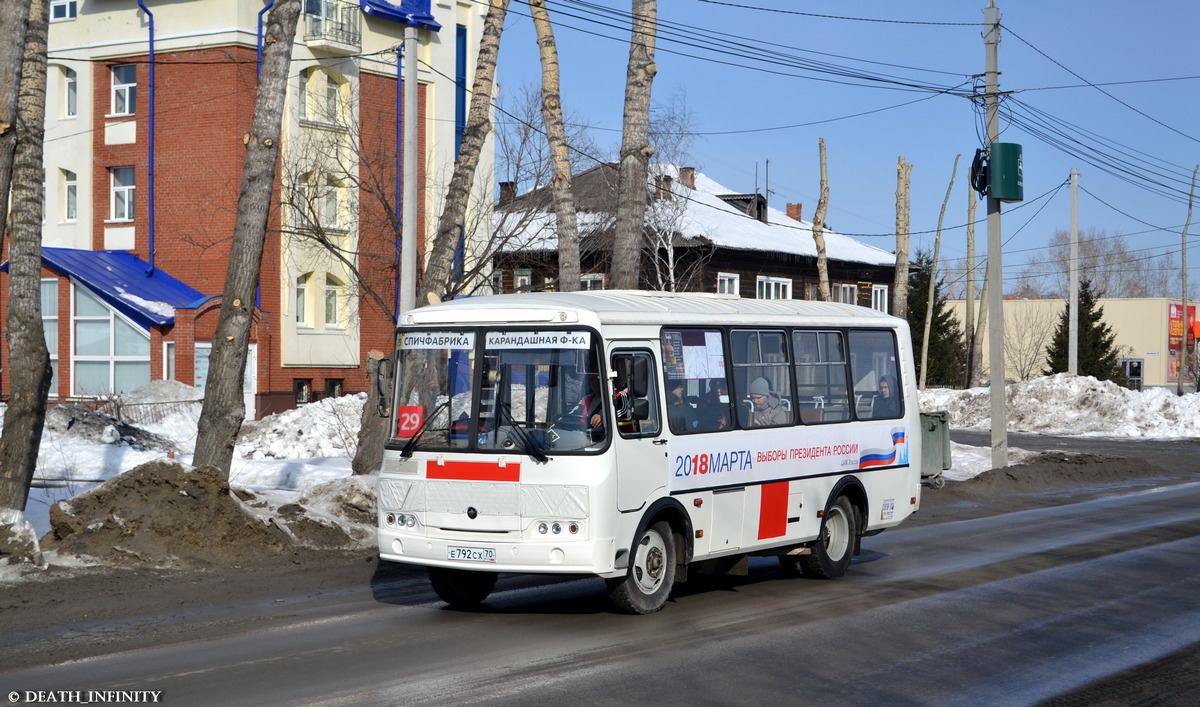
[408,214]
[991,37]
[1183,357]
[1073,332]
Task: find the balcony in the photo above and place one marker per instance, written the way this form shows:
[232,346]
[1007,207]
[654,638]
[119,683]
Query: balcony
[332,26]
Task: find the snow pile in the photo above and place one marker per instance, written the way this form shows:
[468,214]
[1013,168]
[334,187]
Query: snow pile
[1064,404]
[327,428]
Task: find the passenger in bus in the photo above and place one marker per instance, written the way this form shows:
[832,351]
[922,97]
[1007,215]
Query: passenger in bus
[768,408]
[680,413]
[887,404]
[714,410]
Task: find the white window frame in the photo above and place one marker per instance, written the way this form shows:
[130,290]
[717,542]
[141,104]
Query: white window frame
[123,90]
[879,298]
[497,281]
[50,325]
[63,10]
[112,358]
[729,283]
[846,294]
[70,194]
[70,92]
[302,93]
[127,193]
[334,294]
[522,278]
[773,287]
[593,281]
[301,300]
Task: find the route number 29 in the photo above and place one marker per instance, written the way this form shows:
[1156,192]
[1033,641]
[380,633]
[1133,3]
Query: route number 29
[408,420]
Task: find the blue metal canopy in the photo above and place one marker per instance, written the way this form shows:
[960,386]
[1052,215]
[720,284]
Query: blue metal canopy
[126,283]
[414,13]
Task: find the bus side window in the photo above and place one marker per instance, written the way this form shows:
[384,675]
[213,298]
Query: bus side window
[876,378]
[635,394]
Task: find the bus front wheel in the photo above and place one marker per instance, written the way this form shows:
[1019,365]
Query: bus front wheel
[645,588]
[461,589]
[834,547]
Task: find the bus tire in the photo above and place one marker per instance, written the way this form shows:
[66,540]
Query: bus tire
[834,547]
[461,589]
[647,584]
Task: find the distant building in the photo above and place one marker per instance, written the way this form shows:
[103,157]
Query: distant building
[699,237]
[1149,336]
[143,169]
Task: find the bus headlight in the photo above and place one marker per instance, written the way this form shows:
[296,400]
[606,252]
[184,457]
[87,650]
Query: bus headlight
[556,528]
[542,528]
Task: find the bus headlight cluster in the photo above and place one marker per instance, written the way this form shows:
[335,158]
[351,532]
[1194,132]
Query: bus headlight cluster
[555,527]
[402,520]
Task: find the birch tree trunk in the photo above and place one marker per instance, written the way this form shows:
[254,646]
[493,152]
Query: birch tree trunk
[818,230]
[937,246]
[224,407]
[479,124]
[28,358]
[900,286]
[13,22]
[560,157]
[635,148]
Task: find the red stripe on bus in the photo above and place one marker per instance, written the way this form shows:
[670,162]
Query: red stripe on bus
[472,471]
[772,510]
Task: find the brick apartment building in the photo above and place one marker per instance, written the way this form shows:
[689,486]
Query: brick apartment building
[143,166]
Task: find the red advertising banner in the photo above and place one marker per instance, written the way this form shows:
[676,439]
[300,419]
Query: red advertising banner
[1175,338]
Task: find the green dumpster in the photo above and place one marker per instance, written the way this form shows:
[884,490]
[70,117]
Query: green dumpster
[935,446]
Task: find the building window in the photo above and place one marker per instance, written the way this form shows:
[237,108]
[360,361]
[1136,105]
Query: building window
[122,193]
[70,96]
[774,288]
[110,354]
[332,104]
[302,299]
[320,96]
[323,197]
[124,89]
[522,279]
[846,294]
[728,283]
[333,294]
[333,387]
[879,298]
[497,281]
[302,387]
[70,196]
[49,296]
[302,94]
[591,282]
[63,10]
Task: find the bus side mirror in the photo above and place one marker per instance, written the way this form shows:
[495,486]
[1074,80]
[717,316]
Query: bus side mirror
[381,374]
[639,380]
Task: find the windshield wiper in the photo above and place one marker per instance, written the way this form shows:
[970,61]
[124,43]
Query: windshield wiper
[412,442]
[532,449]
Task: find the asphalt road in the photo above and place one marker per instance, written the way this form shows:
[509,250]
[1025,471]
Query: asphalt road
[1010,609]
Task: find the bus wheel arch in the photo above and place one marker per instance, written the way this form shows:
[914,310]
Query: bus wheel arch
[657,557]
[841,530]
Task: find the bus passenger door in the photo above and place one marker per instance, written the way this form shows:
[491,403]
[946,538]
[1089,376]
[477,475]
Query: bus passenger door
[638,447]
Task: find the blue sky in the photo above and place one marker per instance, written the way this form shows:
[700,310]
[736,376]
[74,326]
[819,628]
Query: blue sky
[709,52]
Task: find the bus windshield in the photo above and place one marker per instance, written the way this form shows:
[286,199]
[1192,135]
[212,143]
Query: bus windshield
[524,392]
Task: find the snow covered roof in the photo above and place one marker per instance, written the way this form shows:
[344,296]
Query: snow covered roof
[704,217]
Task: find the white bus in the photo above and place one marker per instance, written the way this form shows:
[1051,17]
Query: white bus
[641,436]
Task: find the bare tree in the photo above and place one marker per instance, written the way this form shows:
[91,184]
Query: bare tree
[818,230]
[1026,337]
[29,360]
[903,172]
[479,124]
[224,409]
[933,266]
[635,146]
[556,133]
[671,268]
[1115,269]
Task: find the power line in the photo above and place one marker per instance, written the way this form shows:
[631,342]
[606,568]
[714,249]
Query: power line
[839,17]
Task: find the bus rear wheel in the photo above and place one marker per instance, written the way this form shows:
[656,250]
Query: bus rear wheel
[646,586]
[834,547]
[461,589]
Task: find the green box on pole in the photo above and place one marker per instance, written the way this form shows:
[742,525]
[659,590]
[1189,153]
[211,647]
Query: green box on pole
[1006,181]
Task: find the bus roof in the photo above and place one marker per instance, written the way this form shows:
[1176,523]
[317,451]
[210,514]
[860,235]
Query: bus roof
[598,307]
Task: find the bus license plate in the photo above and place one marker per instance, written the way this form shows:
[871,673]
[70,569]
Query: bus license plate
[471,554]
